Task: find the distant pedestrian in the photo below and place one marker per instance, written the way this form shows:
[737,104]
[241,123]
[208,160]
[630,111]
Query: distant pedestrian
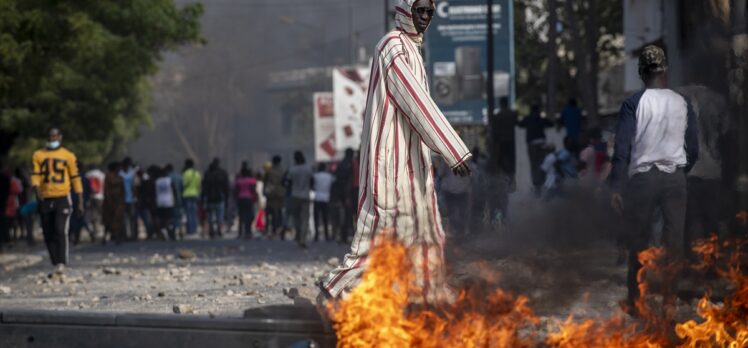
[146,200]
[176,180]
[323,181]
[300,176]
[571,118]
[114,207]
[165,204]
[656,144]
[26,202]
[80,222]
[96,183]
[275,192]
[535,126]
[215,197]
[245,191]
[503,137]
[55,175]
[15,189]
[128,172]
[192,181]
[5,182]
[346,191]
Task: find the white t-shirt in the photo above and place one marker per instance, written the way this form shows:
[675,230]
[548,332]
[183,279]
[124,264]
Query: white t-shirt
[164,193]
[322,185]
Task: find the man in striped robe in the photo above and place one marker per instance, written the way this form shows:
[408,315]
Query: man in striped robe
[402,126]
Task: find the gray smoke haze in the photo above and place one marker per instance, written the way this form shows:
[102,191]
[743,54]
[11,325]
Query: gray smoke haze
[213,100]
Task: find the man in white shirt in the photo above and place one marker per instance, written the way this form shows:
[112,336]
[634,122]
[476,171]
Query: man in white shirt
[322,184]
[656,145]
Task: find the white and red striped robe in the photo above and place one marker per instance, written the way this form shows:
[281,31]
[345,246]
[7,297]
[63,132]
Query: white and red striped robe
[402,126]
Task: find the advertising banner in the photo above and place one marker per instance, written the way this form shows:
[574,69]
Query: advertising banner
[456,57]
[349,87]
[324,128]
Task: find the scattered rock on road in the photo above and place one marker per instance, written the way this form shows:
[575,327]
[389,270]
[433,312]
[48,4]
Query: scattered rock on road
[4,290]
[183,309]
[333,261]
[186,254]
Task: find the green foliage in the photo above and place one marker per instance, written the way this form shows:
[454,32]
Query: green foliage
[82,65]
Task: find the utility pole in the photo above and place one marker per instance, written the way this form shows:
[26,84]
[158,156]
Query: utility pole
[386,16]
[738,88]
[550,106]
[490,95]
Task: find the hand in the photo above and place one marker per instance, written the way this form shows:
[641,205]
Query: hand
[81,210]
[462,169]
[616,201]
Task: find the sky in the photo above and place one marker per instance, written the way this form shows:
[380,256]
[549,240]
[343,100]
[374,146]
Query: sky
[211,100]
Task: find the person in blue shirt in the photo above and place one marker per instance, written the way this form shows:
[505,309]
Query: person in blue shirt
[571,117]
[656,144]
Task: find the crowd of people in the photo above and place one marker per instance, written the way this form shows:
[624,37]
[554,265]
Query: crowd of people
[127,202]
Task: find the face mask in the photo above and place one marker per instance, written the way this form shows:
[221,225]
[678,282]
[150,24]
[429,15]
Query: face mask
[53,144]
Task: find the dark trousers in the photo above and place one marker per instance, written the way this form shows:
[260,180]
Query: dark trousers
[457,207]
[77,224]
[704,209]
[507,156]
[131,217]
[4,230]
[246,216]
[349,214]
[164,220]
[274,220]
[55,214]
[321,215]
[298,210]
[537,154]
[645,192]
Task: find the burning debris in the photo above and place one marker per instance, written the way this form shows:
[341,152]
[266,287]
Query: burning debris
[381,310]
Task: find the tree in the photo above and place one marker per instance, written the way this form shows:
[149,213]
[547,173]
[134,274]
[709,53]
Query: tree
[83,66]
[588,41]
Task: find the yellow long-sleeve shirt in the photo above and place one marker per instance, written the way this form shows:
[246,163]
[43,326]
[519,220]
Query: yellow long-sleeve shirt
[54,171]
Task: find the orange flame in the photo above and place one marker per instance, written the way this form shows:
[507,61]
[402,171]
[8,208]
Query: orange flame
[379,312]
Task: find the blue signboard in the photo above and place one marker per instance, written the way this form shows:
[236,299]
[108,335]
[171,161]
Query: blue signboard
[456,57]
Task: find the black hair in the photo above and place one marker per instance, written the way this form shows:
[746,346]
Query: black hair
[504,102]
[189,163]
[277,160]
[321,167]
[573,101]
[245,171]
[298,157]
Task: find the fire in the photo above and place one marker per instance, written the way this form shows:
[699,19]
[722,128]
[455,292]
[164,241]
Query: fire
[726,324]
[380,312]
[377,313]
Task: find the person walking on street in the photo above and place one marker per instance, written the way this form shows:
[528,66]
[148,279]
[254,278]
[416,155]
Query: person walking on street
[215,196]
[503,138]
[323,181]
[535,126]
[245,190]
[26,201]
[113,207]
[300,176]
[656,144]
[347,194]
[96,179]
[55,172]
[79,223]
[165,204]
[571,118]
[146,200]
[5,183]
[192,181]
[128,172]
[176,180]
[275,192]
[402,126]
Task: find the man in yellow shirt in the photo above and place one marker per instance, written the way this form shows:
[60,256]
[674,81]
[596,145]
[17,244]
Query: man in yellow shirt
[54,173]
